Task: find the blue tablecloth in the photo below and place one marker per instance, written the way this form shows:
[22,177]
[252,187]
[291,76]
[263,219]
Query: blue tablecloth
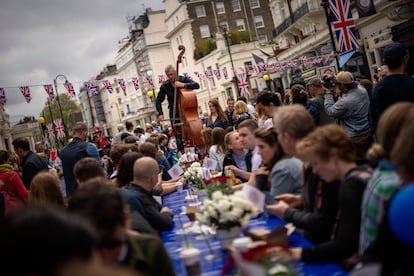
[213,257]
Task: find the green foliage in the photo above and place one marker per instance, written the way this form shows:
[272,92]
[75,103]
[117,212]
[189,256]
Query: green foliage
[204,47]
[237,37]
[69,107]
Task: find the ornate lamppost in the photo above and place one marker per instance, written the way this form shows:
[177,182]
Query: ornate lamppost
[60,76]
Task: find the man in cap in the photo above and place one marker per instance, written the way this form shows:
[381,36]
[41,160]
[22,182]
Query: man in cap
[318,97]
[352,111]
[397,86]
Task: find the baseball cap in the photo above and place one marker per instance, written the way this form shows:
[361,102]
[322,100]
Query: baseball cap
[315,82]
[344,77]
[395,51]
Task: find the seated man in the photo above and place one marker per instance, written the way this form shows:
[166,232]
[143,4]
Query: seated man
[146,171]
[102,204]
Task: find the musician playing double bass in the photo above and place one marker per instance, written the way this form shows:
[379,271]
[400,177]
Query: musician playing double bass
[168,88]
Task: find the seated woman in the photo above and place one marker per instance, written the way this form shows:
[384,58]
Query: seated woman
[45,190]
[241,113]
[217,118]
[236,154]
[218,148]
[280,173]
[331,154]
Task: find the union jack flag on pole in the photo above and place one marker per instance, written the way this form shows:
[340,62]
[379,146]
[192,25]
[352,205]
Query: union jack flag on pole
[136,83]
[50,131]
[59,128]
[243,84]
[344,26]
[121,83]
[49,91]
[150,81]
[92,87]
[26,93]
[3,99]
[69,88]
[107,85]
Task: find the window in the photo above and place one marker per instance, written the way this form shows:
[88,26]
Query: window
[204,31]
[236,5]
[263,39]
[224,25]
[240,24]
[128,109]
[200,11]
[256,3]
[258,21]
[229,93]
[220,8]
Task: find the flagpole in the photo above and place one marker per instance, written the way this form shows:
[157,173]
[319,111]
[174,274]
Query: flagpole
[60,107]
[325,5]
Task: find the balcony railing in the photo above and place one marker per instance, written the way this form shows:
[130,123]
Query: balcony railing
[299,13]
[279,29]
[304,9]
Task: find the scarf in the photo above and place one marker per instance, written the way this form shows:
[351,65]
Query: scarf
[5,168]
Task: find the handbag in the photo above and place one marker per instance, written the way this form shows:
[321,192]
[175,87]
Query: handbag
[12,201]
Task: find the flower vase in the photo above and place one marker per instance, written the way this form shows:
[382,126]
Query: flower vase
[226,237]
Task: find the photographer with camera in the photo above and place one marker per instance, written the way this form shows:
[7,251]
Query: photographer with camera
[352,110]
[317,92]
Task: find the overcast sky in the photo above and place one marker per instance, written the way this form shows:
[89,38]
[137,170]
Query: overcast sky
[43,38]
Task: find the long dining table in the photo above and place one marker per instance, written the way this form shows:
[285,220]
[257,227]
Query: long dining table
[214,259]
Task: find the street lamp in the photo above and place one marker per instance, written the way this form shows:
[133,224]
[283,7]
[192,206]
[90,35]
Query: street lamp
[41,121]
[226,37]
[266,78]
[60,76]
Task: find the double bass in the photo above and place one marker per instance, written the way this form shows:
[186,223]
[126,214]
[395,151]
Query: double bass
[188,109]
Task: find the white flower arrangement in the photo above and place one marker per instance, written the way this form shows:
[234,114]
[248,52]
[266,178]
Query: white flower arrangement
[226,211]
[194,174]
[187,158]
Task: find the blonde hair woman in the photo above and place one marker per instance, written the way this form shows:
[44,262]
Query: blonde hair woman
[241,113]
[45,190]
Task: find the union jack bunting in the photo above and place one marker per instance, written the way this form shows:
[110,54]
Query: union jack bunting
[69,88]
[217,74]
[161,79]
[3,99]
[92,87]
[150,81]
[121,83]
[135,82]
[107,86]
[225,74]
[49,91]
[50,131]
[186,75]
[200,76]
[243,85]
[344,26]
[208,75]
[26,93]
[60,130]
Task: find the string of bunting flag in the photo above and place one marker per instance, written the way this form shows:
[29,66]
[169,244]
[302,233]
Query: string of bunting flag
[241,75]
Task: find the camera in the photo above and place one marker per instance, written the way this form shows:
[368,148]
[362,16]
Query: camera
[328,81]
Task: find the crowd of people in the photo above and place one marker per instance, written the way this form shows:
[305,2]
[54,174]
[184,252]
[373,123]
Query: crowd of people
[330,154]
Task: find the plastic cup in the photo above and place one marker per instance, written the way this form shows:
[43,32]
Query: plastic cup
[179,186]
[191,260]
[241,244]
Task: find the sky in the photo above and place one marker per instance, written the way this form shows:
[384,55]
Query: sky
[41,39]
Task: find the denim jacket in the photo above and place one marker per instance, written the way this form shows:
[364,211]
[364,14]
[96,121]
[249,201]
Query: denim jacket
[352,110]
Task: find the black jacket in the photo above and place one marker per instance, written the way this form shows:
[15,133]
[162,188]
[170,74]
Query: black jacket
[32,164]
[167,89]
[151,211]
